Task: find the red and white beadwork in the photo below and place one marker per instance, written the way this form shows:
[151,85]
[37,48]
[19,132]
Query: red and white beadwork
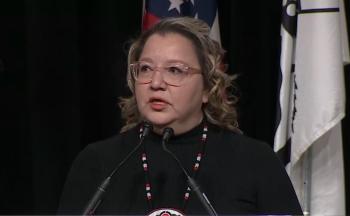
[196,166]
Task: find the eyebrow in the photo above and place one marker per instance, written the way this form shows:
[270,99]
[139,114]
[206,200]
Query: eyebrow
[167,62]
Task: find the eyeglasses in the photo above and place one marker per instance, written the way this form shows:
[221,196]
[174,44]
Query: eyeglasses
[173,73]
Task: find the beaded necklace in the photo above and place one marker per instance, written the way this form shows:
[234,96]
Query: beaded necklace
[195,169]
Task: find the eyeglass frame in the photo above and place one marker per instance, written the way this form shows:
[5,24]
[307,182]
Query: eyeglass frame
[188,70]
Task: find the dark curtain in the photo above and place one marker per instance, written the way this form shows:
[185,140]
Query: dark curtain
[62,70]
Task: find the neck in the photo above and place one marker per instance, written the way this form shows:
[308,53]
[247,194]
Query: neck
[178,127]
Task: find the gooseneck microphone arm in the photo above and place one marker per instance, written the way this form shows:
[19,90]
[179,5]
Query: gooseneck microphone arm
[99,194]
[167,133]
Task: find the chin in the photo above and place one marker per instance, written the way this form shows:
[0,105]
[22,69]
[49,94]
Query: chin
[159,120]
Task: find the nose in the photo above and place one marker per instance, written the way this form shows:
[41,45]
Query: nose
[158,80]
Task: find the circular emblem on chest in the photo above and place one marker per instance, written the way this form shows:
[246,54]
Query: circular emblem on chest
[166,212]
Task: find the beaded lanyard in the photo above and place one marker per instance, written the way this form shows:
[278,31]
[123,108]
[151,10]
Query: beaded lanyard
[195,169]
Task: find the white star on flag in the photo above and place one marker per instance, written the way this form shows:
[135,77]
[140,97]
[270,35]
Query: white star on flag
[175,4]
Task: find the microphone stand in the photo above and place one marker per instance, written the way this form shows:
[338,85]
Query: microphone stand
[99,194]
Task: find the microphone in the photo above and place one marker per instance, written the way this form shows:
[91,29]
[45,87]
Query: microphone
[167,133]
[99,194]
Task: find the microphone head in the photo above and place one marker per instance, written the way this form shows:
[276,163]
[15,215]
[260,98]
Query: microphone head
[167,133]
[147,128]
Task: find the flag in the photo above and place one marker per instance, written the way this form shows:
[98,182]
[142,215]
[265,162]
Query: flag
[311,104]
[206,10]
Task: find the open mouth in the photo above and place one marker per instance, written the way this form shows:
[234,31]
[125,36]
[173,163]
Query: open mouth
[157,100]
[158,104]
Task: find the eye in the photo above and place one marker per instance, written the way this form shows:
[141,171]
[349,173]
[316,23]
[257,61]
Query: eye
[175,70]
[145,68]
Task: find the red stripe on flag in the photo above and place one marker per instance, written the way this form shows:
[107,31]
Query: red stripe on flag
[149,20]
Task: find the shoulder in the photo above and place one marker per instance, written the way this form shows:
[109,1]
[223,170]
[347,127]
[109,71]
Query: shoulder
[240,149]
[239,143]
[113,143]
[90,167]
[104,152]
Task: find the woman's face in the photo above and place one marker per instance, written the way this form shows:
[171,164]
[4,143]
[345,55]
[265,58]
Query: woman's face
[167,105]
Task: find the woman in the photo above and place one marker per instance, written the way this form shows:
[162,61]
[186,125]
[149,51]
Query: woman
[176,77]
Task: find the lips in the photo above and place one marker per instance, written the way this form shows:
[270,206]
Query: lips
[158,104]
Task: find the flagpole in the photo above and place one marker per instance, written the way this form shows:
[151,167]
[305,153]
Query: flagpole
[307,169]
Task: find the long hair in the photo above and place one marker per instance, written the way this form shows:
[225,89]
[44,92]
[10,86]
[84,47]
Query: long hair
[220,108]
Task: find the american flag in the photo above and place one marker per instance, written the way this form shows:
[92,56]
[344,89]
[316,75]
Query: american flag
[206,10]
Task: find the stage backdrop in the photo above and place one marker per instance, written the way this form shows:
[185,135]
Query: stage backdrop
[62,70]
